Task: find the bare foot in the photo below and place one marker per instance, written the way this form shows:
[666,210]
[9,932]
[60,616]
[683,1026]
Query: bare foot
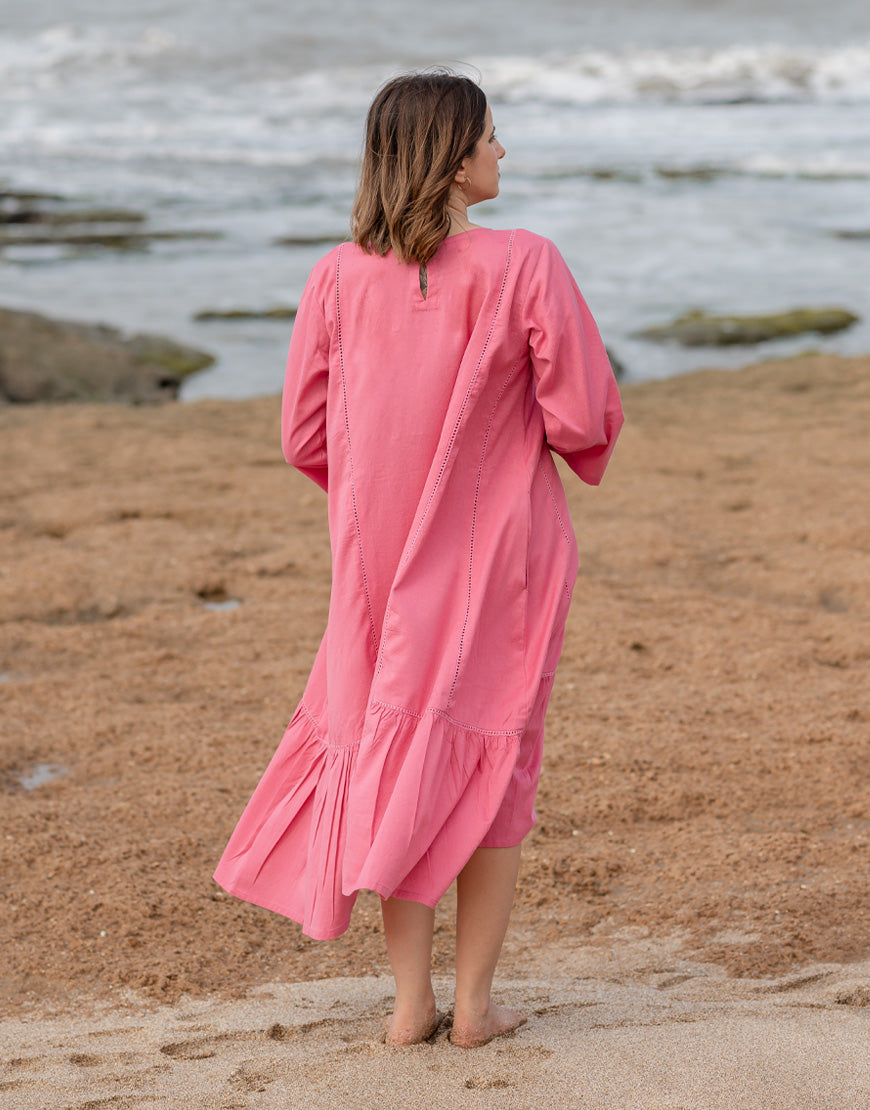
[412,1031]
[476,1031]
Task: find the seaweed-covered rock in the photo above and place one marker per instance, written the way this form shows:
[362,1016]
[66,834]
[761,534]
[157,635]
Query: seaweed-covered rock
[24,214]
[277,312]
[52,360]
[310,240]
[45,219]
[699,174]
[119,238]
[10,199]
[173,358]
[49,220]
[702,329]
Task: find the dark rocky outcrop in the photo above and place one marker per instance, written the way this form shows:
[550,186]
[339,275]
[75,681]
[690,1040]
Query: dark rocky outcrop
[698,174]
[310,240]
[42,359]
[126,240]
[703,329]
[48,220]
[11,199]
[23,214]
[277,312]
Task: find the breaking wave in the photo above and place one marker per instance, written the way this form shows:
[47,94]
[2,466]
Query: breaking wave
[720,75]
[732,74]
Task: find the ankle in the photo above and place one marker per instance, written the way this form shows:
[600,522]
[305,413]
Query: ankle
[472,1005]
[414,1001]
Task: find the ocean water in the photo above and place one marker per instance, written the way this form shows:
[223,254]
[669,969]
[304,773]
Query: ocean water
[683,154]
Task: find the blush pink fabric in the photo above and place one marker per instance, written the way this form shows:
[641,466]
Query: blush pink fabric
[429,421]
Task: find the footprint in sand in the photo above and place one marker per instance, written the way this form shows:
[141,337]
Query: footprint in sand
[518,1053]
[15,1067]
[112,1100]
[200,1048]
[26,1063]
[203,1048]
[674,981]
[562,1007]
[853,996]
[248,1077]
[794,984]
[128,1031]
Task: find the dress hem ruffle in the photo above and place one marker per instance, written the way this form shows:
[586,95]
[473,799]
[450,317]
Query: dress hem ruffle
[398,813]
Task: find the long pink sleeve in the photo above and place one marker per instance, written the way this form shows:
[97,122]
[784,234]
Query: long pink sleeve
[303,408]
[574,383]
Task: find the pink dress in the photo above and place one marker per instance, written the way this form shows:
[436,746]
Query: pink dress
[429,420]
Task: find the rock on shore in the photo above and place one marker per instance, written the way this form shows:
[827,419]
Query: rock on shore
[703,329]
[30,220]
[53,360]
[275,312]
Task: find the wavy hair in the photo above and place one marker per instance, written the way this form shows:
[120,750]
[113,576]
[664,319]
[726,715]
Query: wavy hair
[419,129]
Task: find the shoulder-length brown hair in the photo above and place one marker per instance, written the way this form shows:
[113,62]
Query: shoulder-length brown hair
[419,129]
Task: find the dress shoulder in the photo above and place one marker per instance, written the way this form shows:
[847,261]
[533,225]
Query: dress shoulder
[534,245]
[324,268]
[531,240]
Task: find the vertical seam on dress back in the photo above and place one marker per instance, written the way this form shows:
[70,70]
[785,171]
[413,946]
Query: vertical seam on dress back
[443,467]
[555,503]
[495,405]
[463,406]
[567,538]
[451,441]
[362,562]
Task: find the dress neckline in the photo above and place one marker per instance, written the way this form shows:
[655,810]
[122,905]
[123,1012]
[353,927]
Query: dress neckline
[469,231]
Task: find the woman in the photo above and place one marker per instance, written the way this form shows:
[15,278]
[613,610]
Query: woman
[433,366]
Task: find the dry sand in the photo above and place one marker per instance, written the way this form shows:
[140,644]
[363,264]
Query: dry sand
[693,912]
[607,1037]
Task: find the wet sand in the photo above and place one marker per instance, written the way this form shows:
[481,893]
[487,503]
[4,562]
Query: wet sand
[704,806]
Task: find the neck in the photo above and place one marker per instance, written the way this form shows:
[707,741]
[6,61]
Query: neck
[457,211]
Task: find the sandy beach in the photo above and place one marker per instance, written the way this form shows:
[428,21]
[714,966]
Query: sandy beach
[692,927]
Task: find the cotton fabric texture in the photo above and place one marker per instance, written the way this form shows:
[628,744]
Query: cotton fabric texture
[430,421]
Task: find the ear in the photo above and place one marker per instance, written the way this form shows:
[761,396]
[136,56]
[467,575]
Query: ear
[461,177]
